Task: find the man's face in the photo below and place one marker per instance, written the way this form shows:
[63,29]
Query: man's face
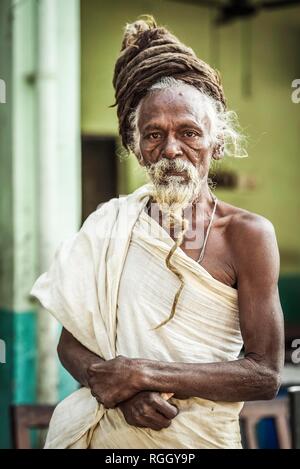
[175,143]
[173,124]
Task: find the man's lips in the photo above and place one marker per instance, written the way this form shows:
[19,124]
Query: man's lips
[173,173]
[176,173]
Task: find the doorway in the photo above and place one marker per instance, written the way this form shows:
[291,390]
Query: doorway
[99,172]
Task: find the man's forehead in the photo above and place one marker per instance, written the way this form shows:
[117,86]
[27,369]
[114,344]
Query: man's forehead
[180,103]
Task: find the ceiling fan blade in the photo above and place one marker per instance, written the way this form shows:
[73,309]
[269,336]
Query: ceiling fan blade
[279,3]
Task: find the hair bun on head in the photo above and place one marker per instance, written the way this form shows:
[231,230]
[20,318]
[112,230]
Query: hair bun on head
[134,30]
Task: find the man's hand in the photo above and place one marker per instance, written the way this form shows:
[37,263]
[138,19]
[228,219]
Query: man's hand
[148,409]
[114,381]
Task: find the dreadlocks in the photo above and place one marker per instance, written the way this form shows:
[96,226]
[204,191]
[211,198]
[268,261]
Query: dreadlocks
[148,53]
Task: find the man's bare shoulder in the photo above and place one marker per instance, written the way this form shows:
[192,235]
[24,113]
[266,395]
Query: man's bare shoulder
[240,221]
[247,230]
[252,242]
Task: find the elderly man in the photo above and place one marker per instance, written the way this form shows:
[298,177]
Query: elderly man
[159,290]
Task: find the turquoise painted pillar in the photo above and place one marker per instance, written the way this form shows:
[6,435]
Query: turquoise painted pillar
[40,188]
[18,210]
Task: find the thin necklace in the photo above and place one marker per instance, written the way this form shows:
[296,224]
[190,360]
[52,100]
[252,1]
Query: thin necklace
[208,229]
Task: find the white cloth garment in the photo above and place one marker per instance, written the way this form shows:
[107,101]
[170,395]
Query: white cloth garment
[109,286]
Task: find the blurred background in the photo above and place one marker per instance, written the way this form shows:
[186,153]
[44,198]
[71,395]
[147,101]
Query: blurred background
[60,156]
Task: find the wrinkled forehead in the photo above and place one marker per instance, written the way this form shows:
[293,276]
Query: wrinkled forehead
[176,104]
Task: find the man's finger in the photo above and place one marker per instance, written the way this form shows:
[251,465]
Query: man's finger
[165,408]
[95,367]
[155,419]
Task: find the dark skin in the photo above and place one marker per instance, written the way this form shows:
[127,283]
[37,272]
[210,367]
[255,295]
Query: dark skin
[241,252]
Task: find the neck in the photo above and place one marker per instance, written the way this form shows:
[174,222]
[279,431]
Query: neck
[198,211]
[205,197]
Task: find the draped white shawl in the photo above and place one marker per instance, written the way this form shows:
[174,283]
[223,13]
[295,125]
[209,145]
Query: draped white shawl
[81,290]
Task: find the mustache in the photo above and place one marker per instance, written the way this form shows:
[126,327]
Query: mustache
[159,170]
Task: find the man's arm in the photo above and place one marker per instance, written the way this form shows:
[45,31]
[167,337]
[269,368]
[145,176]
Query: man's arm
[76,358]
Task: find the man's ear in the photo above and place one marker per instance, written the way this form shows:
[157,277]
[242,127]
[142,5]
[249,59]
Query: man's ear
[218,151]
[137,154]
[140,159]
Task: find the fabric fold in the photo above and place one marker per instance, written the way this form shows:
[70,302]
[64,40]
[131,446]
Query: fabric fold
[80,290]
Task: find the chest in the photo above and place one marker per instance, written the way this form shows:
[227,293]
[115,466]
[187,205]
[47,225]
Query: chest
[217,253]
[217,258]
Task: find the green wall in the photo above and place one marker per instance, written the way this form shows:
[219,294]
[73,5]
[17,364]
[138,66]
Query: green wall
[269,118]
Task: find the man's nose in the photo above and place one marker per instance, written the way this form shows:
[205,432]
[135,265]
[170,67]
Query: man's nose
[172,148]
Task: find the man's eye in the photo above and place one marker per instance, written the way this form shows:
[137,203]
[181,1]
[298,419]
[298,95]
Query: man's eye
[190,133]
[153,136]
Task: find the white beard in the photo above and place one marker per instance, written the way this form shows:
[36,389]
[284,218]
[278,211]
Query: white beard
[173,193]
